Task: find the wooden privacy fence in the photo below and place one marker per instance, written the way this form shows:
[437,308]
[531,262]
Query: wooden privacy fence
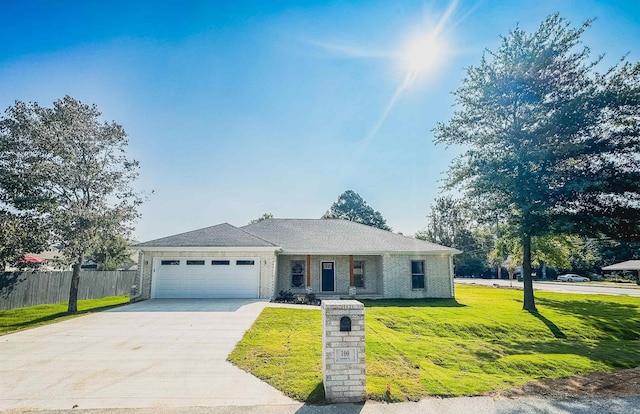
[20,289]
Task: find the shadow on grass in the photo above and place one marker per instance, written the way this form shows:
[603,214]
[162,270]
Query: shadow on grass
[12,327]
[617,320]
[412,303]
[557,332]
[316,396]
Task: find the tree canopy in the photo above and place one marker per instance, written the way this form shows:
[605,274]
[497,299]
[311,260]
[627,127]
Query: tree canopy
[350,206]
[265,216]
[449,223]
[551,144]
[66,168]
[19,235]
[111,252]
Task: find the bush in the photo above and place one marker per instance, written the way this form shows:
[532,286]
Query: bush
[284,296]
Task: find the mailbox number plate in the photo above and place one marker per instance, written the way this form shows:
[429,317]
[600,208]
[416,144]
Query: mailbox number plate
[346,355]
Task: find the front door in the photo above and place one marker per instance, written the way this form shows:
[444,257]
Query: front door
[328,277]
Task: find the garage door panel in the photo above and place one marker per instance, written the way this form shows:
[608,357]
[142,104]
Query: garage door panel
[208,280]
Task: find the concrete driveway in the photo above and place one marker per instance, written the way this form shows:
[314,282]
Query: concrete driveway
[159,353]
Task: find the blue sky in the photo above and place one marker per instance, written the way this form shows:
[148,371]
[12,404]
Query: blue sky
[238,108]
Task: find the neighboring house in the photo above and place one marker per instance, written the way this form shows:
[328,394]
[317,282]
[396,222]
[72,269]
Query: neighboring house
[53,261]
[328,257]
[629,265]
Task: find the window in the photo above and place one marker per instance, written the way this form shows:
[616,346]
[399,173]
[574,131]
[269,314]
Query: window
[245,262]
[417,274]
[358,273]
[195,262]
[170,262]
[297,273]
[220,262]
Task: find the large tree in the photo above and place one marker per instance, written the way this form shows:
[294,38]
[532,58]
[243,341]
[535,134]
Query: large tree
[350,206]
[20,234]
[111,252]
[551,144]
[553,250]
[66,166]
[450,223]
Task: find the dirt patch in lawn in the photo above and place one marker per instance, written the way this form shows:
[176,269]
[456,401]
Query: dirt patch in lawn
[622,383]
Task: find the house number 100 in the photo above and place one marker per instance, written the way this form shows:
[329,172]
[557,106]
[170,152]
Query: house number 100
[345,355]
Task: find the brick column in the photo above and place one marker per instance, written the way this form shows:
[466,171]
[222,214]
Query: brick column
[343,351]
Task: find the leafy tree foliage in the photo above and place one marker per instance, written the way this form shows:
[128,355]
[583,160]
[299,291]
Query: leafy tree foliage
[553,250]
[350,206]
[71,169]
[265,216]
[19,235]
[449,223]
[551,144]
[111,252]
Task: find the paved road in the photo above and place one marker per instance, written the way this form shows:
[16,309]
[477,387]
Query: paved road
[159,353]
[462,405]
[566,287]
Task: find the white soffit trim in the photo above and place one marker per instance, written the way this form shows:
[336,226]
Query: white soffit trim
[357,253]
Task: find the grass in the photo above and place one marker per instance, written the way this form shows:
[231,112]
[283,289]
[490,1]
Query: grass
[25,318]
[480,341]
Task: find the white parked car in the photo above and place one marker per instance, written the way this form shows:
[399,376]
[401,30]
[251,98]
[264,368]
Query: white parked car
[572,277]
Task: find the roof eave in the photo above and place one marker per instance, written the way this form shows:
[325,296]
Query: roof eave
[369,253]
[208,248]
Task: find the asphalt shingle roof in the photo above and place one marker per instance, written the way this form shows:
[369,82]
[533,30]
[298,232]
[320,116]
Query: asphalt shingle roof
[222,235]
[301,236]
[336,236]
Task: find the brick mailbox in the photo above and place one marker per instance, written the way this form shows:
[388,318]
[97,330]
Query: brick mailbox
[343,356]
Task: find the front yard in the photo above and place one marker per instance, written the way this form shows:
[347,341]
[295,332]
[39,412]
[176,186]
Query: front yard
[478,342]
[32,316]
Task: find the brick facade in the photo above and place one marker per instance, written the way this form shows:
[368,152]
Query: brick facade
[344,379]
[372,266]
[387,275]
[438,278]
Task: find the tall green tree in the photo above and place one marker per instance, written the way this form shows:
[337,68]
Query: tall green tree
[70,168]
[20,234]
[111,252]
[551,144]
[450,223]
[553,250]
[350,206]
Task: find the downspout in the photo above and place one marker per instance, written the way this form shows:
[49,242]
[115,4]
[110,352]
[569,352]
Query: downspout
[274,282]
[451,275]
[140,278]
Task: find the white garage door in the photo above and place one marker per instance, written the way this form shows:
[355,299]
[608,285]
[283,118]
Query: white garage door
[229,277]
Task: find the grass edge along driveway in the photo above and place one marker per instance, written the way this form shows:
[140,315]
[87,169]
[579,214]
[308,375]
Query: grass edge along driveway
[480,341]
[33,316]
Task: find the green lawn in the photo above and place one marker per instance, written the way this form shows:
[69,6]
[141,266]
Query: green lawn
[481,341]
[25,318]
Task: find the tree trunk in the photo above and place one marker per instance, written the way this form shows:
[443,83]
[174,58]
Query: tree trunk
[529,300]
[543,268]
[73,291]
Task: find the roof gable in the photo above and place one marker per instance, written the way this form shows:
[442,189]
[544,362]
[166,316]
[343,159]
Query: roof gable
[221,235]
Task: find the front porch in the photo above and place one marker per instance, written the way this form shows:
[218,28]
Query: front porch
[331,277]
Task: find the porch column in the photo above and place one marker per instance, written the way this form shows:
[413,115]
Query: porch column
[308,270]
[352,281]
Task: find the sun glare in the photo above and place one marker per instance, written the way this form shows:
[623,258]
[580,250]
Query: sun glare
[424,51]
[422,54]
